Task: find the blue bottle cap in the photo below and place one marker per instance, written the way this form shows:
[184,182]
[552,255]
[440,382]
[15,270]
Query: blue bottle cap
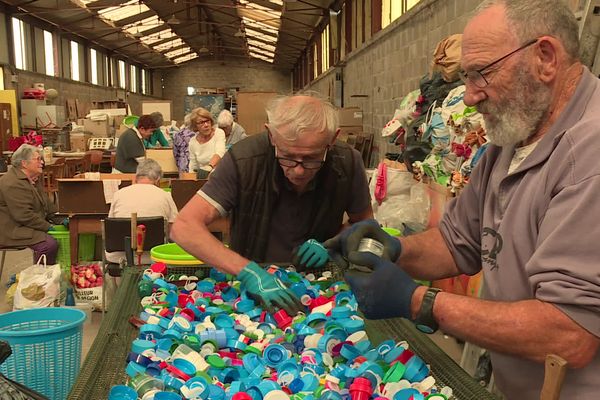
[363,346]
[229,294]
[267,386]
[172,334]
[340,312]
[315,319]
[184,366]
[244,306]
[218,276]
[139,345]
[254,392]
[134,368]
[223,321]
[297,385]
[266,328]
[172,382]
[212,310]
[231,334]
[393,354]
[167,396]
[408,394]
[275,354]
[290,367]
[153,369]
[310,382]
[349,352]
[254,313]
[122,392]
[216,392]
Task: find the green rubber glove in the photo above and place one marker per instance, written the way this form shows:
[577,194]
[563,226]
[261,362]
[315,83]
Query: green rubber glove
[349,239]
[268,290]
[311,254]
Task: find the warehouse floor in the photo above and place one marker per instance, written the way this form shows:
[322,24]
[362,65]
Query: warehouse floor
[19,260]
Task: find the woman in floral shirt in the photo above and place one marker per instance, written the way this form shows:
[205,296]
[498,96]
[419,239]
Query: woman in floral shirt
[181,141]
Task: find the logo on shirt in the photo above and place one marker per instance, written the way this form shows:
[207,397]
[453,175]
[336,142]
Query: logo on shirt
[491,244]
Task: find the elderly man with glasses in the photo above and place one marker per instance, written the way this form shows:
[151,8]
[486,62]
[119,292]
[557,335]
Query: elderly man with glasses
[527,217]
[281,188]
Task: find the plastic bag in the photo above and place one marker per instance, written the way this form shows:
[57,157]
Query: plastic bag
[38,286]
[87,283]
[406,203]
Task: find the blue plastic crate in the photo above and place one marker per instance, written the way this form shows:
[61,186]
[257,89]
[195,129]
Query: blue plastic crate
[46,348]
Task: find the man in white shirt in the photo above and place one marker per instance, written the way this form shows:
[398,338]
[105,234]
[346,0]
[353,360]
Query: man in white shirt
[146,199]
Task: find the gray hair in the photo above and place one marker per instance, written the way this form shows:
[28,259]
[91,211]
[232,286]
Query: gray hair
[158,119]
[187,120]
[292,116]
[25,152]
[225,119]
[530,19]
[149,169]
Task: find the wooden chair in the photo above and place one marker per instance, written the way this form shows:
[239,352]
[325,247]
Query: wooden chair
[51,174]
[87,162]
[74,166]
[116,231]
[113,158]
[95,159]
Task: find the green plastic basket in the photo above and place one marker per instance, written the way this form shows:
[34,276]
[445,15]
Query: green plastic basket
[86,250]
[178,260]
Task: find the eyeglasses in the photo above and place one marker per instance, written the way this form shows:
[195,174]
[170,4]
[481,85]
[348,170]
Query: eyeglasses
[306,164]
[478,77]
[204,122]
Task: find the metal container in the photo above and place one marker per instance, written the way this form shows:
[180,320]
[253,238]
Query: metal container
[371,246]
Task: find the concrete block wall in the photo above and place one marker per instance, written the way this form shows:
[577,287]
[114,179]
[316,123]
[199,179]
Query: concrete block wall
[247,75]
[384,69]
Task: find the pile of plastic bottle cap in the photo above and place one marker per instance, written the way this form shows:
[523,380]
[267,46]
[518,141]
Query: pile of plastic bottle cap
[205,339]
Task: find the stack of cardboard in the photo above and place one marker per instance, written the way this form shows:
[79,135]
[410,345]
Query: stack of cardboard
[351,123]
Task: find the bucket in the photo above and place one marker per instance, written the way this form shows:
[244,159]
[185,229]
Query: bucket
[46,348]
[178,260]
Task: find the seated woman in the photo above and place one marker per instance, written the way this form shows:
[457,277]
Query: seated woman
[24,206]
[207,148]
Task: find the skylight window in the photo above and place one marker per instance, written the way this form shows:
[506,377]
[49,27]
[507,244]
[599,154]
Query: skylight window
[125,10]
[168,45]
[178,52]
[157,37]
[143,25]
[261,45]
[188,57]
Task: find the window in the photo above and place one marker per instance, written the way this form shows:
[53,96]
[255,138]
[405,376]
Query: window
[393,9]
[74,60]
[49,53]
[315,60]
[94,66]
[325,49]
[122,79]
[18,28]
[143,73]
[133,78]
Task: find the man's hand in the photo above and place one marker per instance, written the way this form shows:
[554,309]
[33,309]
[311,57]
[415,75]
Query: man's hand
[348,240]
[268,290]
[384,293]
[311,254]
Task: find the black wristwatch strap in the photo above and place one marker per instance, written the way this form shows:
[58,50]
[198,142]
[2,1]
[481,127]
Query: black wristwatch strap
[425,322]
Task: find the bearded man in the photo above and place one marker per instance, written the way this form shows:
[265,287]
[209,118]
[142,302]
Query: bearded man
[527,217]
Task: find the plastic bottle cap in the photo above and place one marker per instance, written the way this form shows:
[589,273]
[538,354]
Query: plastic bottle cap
[215,361]
[276,395]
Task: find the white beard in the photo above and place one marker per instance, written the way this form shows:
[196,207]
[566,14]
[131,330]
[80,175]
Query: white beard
[513,119]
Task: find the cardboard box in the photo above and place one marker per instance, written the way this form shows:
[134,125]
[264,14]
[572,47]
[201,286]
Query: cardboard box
[97,128]
[348,132]
[119,131]
[79,141]
[350,116]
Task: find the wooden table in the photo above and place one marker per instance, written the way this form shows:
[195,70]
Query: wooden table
[83,202]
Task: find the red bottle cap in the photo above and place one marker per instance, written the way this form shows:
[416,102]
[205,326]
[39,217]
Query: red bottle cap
[361,389]
[283,319]
[159,267]
[241,396]
[405,356]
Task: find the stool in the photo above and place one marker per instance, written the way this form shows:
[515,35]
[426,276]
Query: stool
[4,250]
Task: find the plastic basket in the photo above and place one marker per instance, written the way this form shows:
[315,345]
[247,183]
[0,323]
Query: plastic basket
[86,251]
[46,348]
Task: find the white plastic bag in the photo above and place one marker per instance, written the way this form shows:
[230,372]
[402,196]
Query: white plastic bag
[39,286]
[406,203]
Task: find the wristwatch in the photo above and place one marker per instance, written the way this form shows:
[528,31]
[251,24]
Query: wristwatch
[425,322]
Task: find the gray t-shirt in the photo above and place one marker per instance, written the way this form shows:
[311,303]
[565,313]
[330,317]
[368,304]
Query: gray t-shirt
[289,222]
[535,232]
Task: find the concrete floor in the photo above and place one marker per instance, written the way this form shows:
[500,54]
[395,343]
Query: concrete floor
[16,261]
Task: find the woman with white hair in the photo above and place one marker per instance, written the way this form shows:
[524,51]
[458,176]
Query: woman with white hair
[24,206]
[234,132]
